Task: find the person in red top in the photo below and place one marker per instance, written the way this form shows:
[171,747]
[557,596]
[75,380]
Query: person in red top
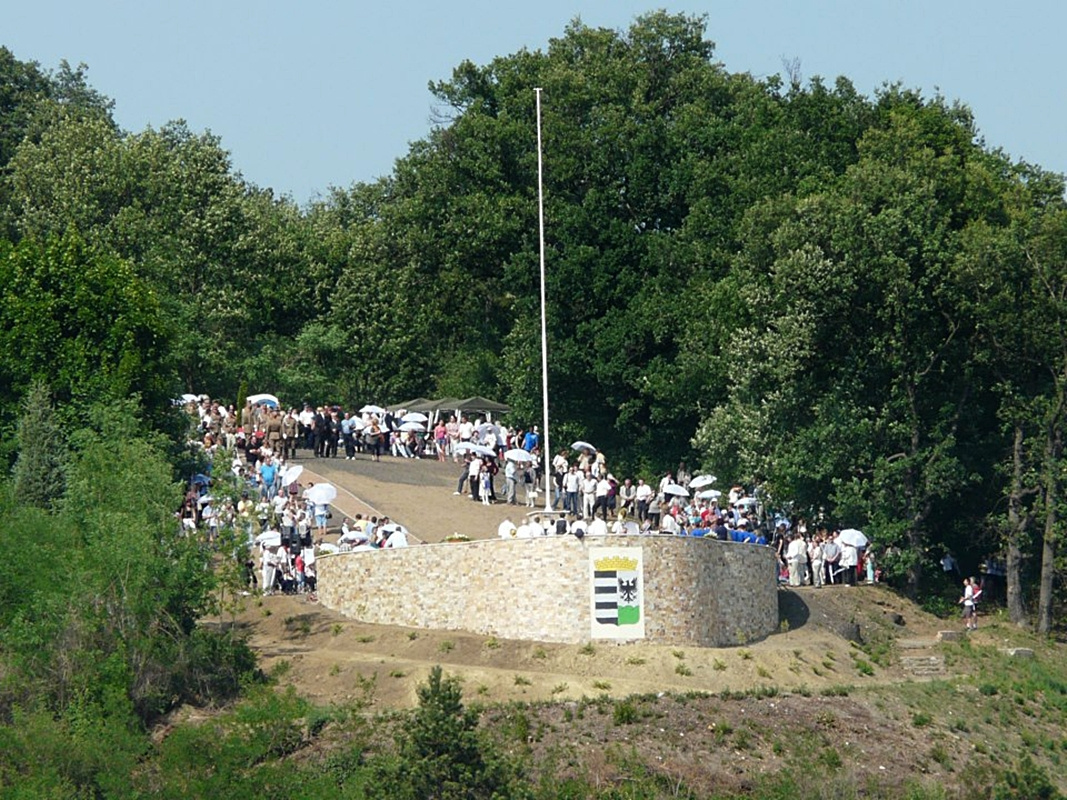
[440,438]
[300,574]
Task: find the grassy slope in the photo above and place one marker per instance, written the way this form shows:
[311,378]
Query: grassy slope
[804,712]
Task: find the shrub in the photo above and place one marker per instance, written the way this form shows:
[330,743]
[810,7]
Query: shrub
[625,713]
[441,753]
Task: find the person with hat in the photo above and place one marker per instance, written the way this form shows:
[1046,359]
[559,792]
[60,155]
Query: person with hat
[290,432]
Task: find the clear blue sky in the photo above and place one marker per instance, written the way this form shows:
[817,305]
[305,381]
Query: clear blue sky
[307,95]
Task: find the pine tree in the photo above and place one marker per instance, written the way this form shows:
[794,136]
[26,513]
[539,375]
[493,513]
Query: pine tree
[39,468]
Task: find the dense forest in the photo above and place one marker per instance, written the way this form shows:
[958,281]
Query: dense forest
[853,302]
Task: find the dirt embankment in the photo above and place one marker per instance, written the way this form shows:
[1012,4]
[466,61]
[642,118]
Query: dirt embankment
[715,718]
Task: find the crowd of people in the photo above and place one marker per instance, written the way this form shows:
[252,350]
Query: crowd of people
[586,497]
[275,513]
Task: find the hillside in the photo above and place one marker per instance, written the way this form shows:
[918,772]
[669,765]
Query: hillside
[855,688]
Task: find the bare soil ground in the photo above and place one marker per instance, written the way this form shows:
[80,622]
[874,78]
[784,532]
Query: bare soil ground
[805,709]
[328,654]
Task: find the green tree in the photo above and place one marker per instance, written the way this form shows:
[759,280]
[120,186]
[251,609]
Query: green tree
[39,468]
[442,753]
[81,321]
[858,366]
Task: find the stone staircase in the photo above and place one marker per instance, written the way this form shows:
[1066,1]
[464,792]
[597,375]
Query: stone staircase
[919,658]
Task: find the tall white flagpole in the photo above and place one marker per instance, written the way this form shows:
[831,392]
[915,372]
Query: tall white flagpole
[546,451]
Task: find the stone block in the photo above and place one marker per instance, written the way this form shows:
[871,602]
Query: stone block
[1019,652]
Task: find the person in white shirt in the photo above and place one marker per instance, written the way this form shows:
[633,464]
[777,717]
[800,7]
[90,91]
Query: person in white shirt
[797,556]
[269,565]
[831,554]
[572,484]
[665,481]
[669,524]
[466,430]
[817,564]
[643,495]
[628,497]
[306,418]
[559,472]
[603,490]
[849,560]
[970,620]
[398,538]
[588,495]
[474,473]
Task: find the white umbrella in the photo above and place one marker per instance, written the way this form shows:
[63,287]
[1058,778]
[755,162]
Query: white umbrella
[746,501]
[292,474]
[269,399]
[579,445]
[709,494]
[353,535]
[853,537]
[700,481]
[321,494]
[480,449]
[372,409]
[414,416]
[326,547]
[674,488]
[269,539]
[190,398]
[412,426]
[520,456]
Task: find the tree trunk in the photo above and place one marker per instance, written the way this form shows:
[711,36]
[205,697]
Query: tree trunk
[1048,549]
[1018,522]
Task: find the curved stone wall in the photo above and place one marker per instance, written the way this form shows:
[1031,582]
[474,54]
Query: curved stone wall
[660,589]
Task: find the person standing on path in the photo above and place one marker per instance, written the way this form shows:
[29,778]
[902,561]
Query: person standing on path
[572,483]
[970,621]
[817,565]
[796,554]
[486,482]
[511,478]
[440,439]
[474,474]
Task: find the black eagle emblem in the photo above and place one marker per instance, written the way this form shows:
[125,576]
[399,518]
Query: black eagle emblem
[628,590]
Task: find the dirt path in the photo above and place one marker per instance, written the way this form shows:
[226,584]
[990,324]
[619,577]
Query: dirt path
[417,493]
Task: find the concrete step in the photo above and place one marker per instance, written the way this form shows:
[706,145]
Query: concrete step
[916,644]
[923,665]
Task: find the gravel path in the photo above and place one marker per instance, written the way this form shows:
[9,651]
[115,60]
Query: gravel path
[417,493]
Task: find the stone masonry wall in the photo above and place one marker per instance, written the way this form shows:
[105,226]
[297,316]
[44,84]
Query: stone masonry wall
[696,591]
